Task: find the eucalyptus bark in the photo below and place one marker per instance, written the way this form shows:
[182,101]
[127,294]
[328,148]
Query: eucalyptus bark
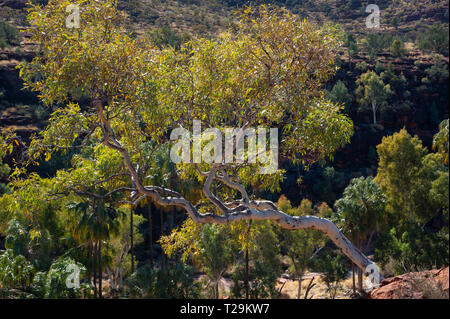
[374,110]
[239,210]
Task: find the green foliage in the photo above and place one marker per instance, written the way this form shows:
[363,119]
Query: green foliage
[361,66]
[438,72]
[398,84]
[398,49]
[327,183]
[440,141]
[434,115]
[166,37]
[239,74]
[434,39]
[414,250]
[118,247]
[9,35]
[6,147]
[375,43]
[15,271]
[264,266]
[379,67]
[339,94]
[53,285]
[215,254]
[360,211]
[352,45]
[300,245]
[372,92]
[406,173]
[175,282]
[335,268]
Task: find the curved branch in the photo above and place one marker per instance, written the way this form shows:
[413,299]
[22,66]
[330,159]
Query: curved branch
[279,218]
[239,187]
[254,210]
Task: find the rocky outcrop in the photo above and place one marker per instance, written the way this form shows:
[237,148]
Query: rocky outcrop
[431,284]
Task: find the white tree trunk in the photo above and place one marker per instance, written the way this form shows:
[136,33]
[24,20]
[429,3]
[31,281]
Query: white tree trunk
[374,111]
[235,211]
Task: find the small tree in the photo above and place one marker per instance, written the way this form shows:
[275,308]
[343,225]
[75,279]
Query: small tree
[438,72]
[215,254]
[398,49]
[372,91]
[339,94]
[406,173]
[360,212]
[435,39]
[335,270]
[15,271]
[9,35]
[53,284]
[440,140]
[352,47]
[264,266]
[300,245]
[259,73]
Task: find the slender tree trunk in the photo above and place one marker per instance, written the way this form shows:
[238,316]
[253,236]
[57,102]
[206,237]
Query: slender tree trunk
[349,60]
[94,266]
[172,218]
[89,256]
[299,291]
[100,273]
[163,257]
[360,273]
[247,284]
[247,288]
[132,241]
[310,286]
[150,231]
[360,280]
[374,110]
[353,277]
[216,288]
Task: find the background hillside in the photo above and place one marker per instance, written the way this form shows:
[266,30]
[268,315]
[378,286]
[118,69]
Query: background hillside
[409,53]
[419,103]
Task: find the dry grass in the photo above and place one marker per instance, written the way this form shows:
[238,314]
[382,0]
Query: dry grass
[319,291]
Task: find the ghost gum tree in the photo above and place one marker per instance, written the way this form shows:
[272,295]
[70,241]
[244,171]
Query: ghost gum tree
[267,70]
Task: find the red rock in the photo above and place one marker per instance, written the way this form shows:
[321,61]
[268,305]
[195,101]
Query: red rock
[415,285]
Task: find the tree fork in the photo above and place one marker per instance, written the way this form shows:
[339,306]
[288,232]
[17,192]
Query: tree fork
[243,210]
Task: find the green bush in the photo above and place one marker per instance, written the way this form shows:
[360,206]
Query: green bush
[15,271]
[335,269]
[264,265]
[52,284]
[413,250]
[9,35]
[435,39]
[176,282]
